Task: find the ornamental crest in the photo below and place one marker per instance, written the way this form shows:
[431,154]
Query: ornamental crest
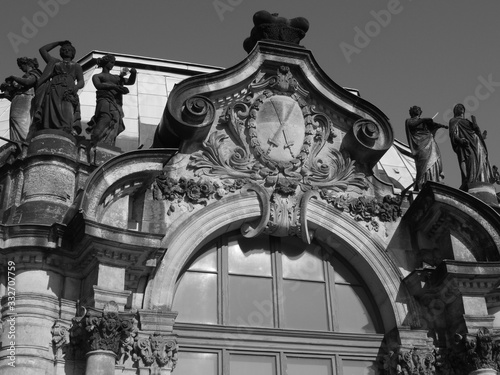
[274,137]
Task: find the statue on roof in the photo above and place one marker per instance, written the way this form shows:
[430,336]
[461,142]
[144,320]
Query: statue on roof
[107,121]
[273,27]
[57,90]
[21,92]
[468,143]
[420,133]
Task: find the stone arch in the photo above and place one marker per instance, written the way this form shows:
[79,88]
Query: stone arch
[129,170]
[331,227]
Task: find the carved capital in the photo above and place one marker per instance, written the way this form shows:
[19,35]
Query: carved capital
[157,351]
[409,362]
[107,330]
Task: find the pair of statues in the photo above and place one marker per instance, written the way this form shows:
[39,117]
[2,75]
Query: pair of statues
[467,142]
[49,99]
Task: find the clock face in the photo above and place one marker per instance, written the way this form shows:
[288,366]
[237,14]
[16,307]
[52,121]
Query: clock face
[281,128]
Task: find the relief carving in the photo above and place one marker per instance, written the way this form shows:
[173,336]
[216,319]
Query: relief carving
[471,352]
[107,331]
[409,362]
[157,351]
[274,138]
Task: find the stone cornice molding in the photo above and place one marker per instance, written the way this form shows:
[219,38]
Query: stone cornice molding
[31,235]
[453,277]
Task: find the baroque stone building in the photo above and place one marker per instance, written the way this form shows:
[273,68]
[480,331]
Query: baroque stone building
[262,227]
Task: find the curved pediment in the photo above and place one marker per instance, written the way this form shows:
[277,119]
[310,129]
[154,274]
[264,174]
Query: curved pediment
[275,72]
[278,125]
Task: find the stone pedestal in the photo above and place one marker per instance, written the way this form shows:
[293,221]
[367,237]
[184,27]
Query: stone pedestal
[100,362]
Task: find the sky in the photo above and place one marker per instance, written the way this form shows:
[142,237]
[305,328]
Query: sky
[397,53]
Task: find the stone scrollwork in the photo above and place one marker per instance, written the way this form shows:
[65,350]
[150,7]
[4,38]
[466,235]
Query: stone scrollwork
[409,362]
[117,332]
[471,352]
[274,138]
[157,351]
[60,339]
[108,330]
[479,350]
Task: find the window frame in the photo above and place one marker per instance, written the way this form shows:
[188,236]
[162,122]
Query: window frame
[221,245]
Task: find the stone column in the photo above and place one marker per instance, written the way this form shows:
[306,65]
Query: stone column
[100,362]
[103,336]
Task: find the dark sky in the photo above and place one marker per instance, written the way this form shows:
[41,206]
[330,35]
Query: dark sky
[397,53]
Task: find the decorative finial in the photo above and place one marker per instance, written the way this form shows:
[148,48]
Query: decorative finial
[273,27]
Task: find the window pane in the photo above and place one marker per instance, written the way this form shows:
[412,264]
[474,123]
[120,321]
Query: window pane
[250,301]
[302,265]
[196,298]
[352,367]
[304,304]
[249,256]
[206,261]
[309,366]
[252,365]
[354,309]
[196,363]
[343,275]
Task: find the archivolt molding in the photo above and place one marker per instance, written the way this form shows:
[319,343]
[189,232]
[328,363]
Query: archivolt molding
[439,208]
[232,211]
[129,171]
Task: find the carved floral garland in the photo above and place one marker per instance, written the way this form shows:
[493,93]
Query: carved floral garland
[236,154]
[190,191]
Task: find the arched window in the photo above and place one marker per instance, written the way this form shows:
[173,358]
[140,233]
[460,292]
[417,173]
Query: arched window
[276,287]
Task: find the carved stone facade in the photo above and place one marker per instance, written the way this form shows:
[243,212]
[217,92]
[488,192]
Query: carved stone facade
[270,150]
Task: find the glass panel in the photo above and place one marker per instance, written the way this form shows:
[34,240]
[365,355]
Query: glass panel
[252,365]
[196,298]
[344,275]
[354,310]
[206,261]
[352,367]
[249,256]
[302,264]
[304,304]
[309,366]
[190,363]
[250,301]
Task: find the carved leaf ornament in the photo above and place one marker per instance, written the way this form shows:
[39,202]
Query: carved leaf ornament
[272,137]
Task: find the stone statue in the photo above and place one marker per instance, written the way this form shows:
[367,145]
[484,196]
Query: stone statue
[420,133]
[271,26]
[57,91]
[21,92]
[468,143]
[107,121]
